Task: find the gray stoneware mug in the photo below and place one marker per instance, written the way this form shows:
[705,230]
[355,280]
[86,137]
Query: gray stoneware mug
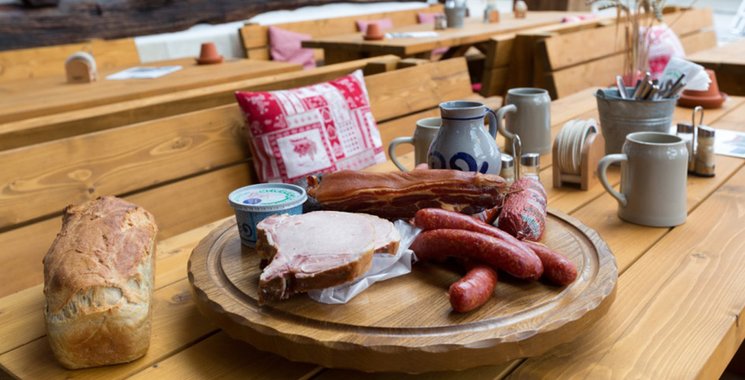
[462,142]
[424,134]
[654,170]
[528,114]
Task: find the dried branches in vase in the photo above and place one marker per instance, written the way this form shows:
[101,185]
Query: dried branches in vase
[637,18]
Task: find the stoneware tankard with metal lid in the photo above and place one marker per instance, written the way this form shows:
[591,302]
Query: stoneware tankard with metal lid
[462,142]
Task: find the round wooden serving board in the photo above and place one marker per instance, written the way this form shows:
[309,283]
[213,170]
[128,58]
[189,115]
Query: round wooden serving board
[406,324]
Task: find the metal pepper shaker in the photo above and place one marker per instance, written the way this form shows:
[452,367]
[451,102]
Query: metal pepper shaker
[508,169]
[530,166]
[705,158]
[685,132]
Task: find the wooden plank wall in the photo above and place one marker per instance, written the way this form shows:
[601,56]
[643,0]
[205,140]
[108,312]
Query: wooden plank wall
[255,37]
[50,60]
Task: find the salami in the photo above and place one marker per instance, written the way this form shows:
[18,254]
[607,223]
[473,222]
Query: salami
[524,212]
[435,245]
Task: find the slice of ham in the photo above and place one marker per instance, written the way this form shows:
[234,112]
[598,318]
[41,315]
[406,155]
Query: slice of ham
[319,250]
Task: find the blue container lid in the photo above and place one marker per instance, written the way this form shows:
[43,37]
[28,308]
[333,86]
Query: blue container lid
[267,197]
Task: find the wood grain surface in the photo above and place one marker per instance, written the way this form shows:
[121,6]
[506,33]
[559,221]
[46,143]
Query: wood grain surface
[90,119]
[50,60]
[474,31]
[255,37]
[406,324]
[676,313]
[49,95]
[728,62]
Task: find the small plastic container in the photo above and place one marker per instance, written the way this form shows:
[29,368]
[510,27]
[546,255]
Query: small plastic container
[254,203]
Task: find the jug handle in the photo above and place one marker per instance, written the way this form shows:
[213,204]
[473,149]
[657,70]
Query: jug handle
[500,124]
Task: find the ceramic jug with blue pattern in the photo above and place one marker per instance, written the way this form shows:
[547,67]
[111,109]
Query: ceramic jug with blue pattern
[462,142]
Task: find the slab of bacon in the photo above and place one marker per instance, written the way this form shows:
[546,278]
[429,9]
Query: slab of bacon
[397,195]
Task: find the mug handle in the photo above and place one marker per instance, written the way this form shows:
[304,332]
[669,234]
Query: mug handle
[603,168]
[500,124]
[392,147]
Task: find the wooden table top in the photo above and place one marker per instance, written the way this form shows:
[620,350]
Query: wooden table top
[679,298]
[22,99]
[473,31]
[732,53]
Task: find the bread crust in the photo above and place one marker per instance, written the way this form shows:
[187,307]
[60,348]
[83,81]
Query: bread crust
[98,283]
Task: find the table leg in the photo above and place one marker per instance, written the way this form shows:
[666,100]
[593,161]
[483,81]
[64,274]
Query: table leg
[456,51]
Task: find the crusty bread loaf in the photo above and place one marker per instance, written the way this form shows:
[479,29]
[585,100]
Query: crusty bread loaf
[98,283]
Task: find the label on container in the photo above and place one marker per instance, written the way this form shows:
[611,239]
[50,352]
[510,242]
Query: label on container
[268,197]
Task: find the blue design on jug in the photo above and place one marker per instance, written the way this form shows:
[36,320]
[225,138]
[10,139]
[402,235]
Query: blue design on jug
[470,161]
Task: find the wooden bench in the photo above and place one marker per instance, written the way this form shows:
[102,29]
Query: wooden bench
[50,60]
[566,58]
[509,58]
[568,62]
[180,168]
[71,123]
[255,37]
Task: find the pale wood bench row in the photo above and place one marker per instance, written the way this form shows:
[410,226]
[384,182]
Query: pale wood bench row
[50,60]
[255,37]
[180,168]
[570,57]
[80,121]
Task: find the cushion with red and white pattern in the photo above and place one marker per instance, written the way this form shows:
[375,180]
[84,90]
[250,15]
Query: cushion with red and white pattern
[315,129]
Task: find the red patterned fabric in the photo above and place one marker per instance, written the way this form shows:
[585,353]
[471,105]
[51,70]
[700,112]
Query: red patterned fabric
[285,46]
[315,129]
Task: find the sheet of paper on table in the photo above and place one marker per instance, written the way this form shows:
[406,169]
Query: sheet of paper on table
[144,72]
[411,34]
[729,143]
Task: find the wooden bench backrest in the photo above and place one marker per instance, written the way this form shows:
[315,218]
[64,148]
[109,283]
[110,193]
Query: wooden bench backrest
[255,37]
[77,122]
[50,60]
[507,56]
[593,56]
[180,168]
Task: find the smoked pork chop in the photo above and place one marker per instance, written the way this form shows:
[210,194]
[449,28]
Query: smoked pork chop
[319,250]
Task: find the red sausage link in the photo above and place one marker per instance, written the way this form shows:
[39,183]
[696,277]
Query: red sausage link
[557,269]
[437,218]
[435,245]
[474,289]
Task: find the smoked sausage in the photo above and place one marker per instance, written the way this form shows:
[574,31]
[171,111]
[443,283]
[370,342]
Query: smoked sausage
[474,289]
[435,245]
[557,269]
[436,218]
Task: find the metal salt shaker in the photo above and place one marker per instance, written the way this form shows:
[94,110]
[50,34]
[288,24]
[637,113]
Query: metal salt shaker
[441,23]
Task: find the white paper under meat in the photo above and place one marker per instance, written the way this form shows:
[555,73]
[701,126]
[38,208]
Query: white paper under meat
[384,266]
